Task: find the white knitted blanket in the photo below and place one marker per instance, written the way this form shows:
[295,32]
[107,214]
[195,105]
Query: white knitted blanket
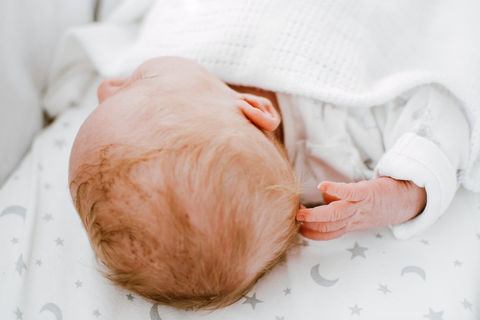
[353,53]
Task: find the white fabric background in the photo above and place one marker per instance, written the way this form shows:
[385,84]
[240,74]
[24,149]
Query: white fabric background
[29,33]
[46,263]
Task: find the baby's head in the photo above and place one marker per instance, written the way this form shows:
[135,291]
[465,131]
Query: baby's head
[186,196]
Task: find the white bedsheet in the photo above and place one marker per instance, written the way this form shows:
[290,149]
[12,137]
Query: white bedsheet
[47,270]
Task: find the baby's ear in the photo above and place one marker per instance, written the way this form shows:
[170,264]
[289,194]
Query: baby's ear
[259,110]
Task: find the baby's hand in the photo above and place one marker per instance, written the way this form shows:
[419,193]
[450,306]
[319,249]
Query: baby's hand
[362,205]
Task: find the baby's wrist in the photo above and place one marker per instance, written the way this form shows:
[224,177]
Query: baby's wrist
[412,198]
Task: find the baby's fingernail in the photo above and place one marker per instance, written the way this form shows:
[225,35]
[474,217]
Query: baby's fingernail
[300,218]
[322,187]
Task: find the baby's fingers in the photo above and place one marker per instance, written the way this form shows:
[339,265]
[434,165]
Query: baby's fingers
[325,227]
[335,211]
[319,236]
[346,191]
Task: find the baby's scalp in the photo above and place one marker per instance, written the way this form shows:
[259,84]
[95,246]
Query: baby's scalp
[189,211]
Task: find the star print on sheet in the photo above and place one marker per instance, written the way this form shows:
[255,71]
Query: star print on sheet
[424,131]
[19,314]
[59,242]
[355,310]
[304,243]
[457,263]
[60,144]
[252,300]
[466,304]
[357,251]
[78,283]
[478,236]
[425,242]
[48,217]
[129,297]
[14,240]
[384,289]
[39,263]
[96,313]
[378,236]
[432,315]
[287,291]
[423,113]
[48,186]
[20,265]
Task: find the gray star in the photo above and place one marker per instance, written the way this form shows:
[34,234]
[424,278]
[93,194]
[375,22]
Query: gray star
[66,124]
[425,242]
[478,235]
[252,301]
[14,240]
[20,265]
[78,283]
[379,236]
[355,309]
[130,297]
[59,143]
[47,186]
[39,263]
[458,263]
[357,251]
[384,289]
[96,313]
[432,315]
[40,167]
[19,314]
[59,242]
[48,217]
[304,243]
[278,318]
[466,304]
[287,291]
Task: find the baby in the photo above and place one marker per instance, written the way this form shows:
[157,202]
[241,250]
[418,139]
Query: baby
[187,195]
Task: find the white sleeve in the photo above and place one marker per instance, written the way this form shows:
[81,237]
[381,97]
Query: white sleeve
[426,142]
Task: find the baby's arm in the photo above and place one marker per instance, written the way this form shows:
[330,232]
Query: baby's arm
[426,150]
[362,205]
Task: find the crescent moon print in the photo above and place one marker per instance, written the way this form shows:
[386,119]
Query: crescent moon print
[53,308]
[319,279]
[21,211]
[154,313]
[416,270]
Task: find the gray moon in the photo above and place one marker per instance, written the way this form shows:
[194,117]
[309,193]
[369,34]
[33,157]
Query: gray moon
[416,270]
[154,313]
[319,279]
[21,211]
[53,308]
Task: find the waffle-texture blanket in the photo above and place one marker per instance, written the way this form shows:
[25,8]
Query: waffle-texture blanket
[360,53]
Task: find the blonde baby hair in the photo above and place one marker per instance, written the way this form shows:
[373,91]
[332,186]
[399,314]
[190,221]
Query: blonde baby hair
[195,223]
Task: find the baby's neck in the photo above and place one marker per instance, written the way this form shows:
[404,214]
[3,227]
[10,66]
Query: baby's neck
[265,94]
